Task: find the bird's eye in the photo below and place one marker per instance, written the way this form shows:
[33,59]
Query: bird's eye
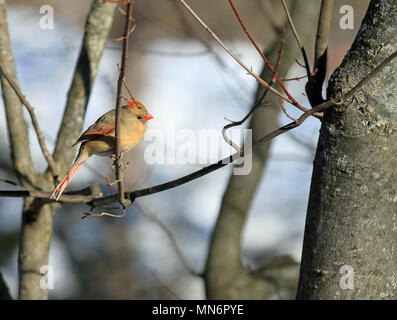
[139,118]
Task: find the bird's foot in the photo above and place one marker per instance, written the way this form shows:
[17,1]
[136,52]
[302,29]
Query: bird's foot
[122,169]
[111,183]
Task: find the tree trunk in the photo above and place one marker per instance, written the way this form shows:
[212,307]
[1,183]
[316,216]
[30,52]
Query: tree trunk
[351,227]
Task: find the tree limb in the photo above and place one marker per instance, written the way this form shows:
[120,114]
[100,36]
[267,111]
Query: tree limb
[314,85]
[230,52]
[120,82]
[17,126]
[35,123]
[279,81]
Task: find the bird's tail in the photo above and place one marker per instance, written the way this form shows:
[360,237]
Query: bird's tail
[65,181]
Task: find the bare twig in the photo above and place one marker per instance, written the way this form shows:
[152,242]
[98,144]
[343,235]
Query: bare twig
[293,101]
[309,74]
[120,82]
[104,213]
[285,110]
[315,84]
[259,103]
[127,34]
[17,126]
[13,183]
[324,24]
[166,285]
[231,53]
[148,214]
[40,137]
[231,74]
[299,78]
[296,35]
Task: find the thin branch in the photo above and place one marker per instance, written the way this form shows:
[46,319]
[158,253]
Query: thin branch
[280,82]
[17,126]
[120,82]
[296,35]
[40,137]
[324,24]
[298,78]
[231,74]
[285,110]
[174,244]
[77,197]
[259,103]
[315,84]
[327,104]
[230,52]
[13,183]
[165,26]
[166,286]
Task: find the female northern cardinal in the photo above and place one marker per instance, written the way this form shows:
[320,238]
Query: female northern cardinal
[99,138]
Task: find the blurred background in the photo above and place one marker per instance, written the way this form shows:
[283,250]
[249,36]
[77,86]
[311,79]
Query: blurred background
[187,82]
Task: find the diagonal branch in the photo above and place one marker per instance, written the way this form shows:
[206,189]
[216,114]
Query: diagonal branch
[230,52]
[35,123]
[97,29]
[17,126]
[298,40]
[315,84]
[259,103]
[279,81]
[178,251]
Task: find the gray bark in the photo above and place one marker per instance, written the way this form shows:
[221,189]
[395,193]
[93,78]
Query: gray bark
[352,212]
[225,277]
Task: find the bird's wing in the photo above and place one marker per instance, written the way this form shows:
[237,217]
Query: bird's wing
[104,126]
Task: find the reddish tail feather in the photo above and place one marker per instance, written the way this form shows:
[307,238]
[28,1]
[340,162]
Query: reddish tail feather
[65,181]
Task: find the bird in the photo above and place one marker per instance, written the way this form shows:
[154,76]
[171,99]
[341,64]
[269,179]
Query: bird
[99,138]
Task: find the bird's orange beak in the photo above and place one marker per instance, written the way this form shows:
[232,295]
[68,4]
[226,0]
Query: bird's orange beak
[148,117]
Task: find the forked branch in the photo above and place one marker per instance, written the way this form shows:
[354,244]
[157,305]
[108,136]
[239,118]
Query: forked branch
[40,137]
